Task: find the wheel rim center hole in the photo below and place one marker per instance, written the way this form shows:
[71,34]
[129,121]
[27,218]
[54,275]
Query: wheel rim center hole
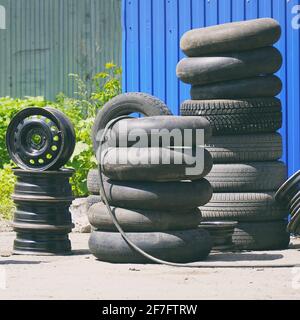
[36,140]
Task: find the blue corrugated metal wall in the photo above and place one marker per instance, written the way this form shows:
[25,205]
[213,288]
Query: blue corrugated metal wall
[151,34]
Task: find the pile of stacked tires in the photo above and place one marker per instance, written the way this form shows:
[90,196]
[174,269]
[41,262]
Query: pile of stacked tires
[231,69]
[156,204]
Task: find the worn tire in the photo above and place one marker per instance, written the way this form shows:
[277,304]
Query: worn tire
[152,195]
[93,199]
[245,123]
[125,104]
[261,236]
[147,164]
[230,107]
[237,116]
[158,130]
[245,148]
[174,246]
[294,223]
[143,220]
[167,196]
[243,207]
[262,86]
[255,176]
[229,66]
[93,185]
[236,36]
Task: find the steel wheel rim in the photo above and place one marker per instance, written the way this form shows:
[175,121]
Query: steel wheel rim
[40,139]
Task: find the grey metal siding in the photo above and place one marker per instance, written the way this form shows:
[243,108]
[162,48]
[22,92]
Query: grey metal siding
[45,40]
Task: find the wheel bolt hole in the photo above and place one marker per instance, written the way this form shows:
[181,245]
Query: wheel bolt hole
[54,148]
[56,138]
[41,161]
[49,156]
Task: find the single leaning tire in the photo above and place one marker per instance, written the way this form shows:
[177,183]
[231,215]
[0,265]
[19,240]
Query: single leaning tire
[243,207]
[147,164]
[158,196]
[255,176]
[294,223]
[236,36]
[288,193]
[156,129]
[262,86]
[261,236]
[125,104]
[245,148]
[174,246]
[229,66]
[143,220]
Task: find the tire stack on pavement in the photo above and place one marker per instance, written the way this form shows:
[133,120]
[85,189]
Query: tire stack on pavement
[40,141]
[156,204]
[230,68]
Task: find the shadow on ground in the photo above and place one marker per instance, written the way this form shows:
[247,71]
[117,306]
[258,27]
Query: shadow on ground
[81,252]
[236,257]
[295,246]
[15,262]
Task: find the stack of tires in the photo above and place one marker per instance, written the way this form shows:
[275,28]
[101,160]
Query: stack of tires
[156,204]
[230,68]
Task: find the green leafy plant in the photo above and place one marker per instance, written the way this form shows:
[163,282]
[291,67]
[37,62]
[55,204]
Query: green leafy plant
[7,182]
[82,110]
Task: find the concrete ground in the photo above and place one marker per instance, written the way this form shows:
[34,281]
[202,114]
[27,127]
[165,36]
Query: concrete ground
[81,276]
